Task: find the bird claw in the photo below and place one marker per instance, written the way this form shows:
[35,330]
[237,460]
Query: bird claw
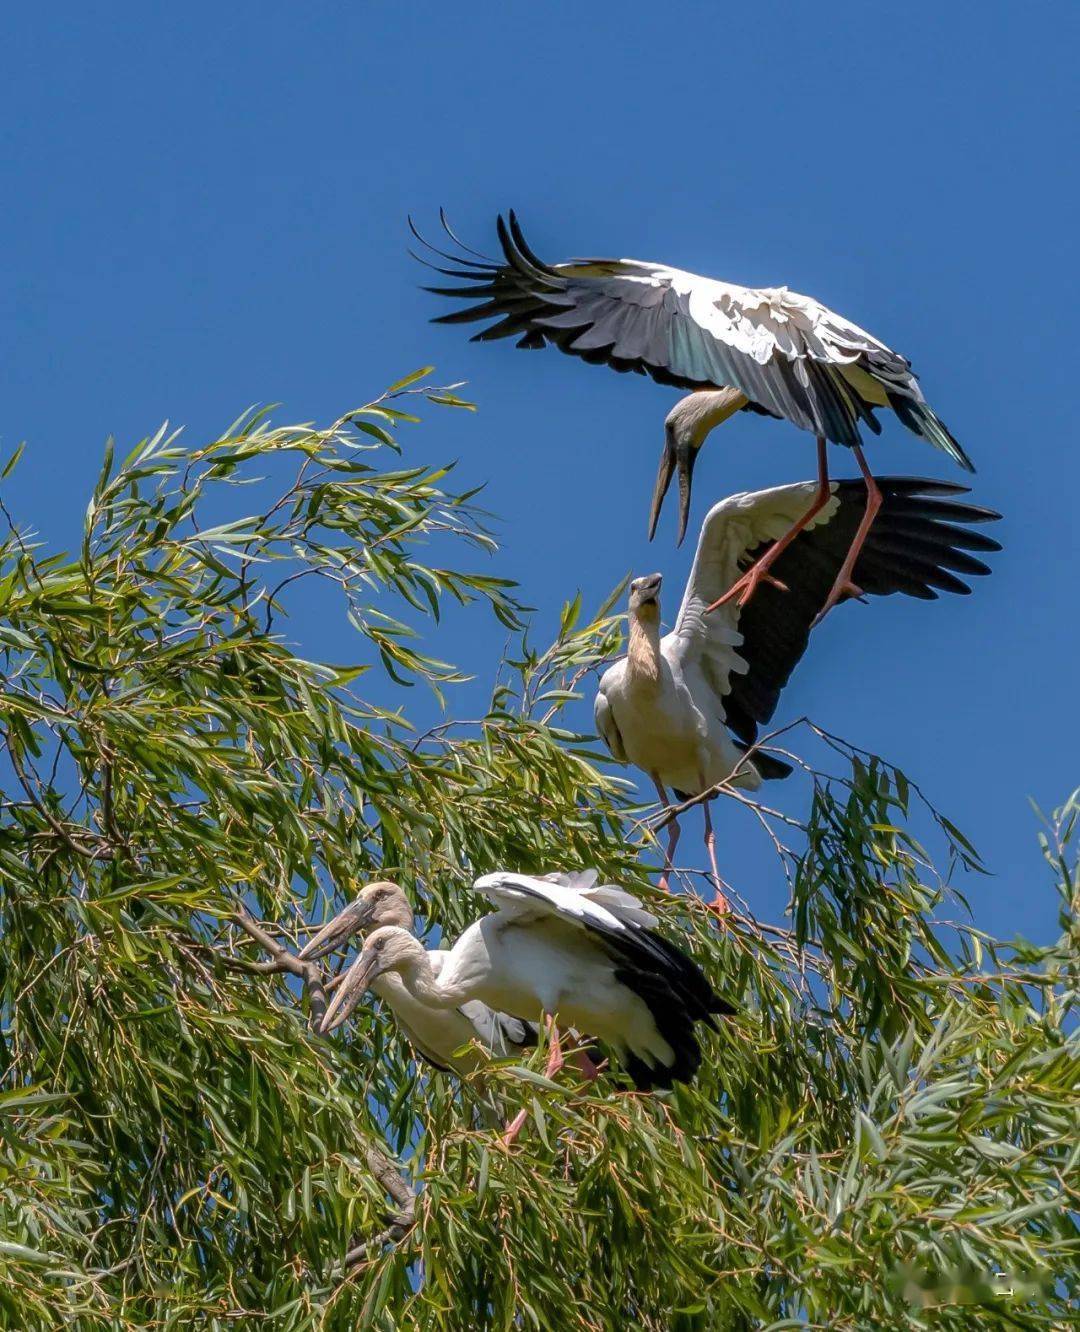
[842,588]
[745,587]
[719,904]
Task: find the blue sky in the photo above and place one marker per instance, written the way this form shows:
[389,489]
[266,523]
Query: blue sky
[204,208]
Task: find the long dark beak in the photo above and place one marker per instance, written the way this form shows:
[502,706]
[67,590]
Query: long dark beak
[353,986]
[337,932]
[675,457]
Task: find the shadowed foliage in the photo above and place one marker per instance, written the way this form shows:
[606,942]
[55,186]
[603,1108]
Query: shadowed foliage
[886,1135]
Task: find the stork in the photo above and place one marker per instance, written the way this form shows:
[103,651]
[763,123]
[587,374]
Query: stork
[434,1033]
[764,349]
[578,952]
[686,707]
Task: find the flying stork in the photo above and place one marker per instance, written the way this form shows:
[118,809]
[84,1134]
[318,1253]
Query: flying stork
[763,349]
[686,707]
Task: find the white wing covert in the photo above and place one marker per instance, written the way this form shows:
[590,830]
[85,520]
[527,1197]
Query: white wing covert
[576,898]
[732,530]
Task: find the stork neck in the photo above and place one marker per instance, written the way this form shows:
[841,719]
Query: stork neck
[643,649]
[703,410]
[423,984]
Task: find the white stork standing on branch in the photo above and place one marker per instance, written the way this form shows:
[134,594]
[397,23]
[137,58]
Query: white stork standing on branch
[766,349]
[436,1034]
[566,947]
[686,707]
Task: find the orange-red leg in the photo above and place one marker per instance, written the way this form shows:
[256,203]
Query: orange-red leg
[845,586]
[745,587]
[673,837]
[583,1062]
[719,903]
[554,1063]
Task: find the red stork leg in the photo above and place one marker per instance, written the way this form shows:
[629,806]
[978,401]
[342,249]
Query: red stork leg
[673,837]
[745,587]
[719,903]
[845,585]
[554,1063]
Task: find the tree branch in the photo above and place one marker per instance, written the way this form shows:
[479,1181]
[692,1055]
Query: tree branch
[282,960]
[400,1222]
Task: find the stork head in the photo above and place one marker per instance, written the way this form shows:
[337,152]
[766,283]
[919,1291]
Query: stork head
[645,595]
[389,948]
[379,903]
[685,430]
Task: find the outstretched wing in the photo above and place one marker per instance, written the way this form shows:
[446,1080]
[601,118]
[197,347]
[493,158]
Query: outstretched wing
[790,355]
[744,656]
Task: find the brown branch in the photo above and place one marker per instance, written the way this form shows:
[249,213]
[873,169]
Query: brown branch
[400,1222]
[89,852]
[282,960]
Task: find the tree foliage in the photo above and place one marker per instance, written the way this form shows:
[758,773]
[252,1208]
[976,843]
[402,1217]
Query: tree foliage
[886,1135]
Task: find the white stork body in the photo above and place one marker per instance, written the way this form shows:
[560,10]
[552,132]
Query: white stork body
[767,349]
[686,706]
[587,953]
[435,1033]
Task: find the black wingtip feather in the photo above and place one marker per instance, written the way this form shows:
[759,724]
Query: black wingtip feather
[915,547]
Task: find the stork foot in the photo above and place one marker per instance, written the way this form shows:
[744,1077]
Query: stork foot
[719,904]
[743,589]
[842,589]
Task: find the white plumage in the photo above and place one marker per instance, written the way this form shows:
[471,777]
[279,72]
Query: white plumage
[563,946]
[684,707]
[766,349]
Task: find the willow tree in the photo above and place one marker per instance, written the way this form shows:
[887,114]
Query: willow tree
[885,1136]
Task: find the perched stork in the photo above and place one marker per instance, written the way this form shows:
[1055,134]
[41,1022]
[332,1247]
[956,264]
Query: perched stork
[434,1033]
[585,953]
[686,707]
[766,349]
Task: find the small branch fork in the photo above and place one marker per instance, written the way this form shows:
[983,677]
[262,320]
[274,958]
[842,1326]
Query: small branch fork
[385,1171]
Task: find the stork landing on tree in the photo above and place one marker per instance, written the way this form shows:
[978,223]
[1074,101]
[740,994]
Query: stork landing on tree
[568,947]
[686,707]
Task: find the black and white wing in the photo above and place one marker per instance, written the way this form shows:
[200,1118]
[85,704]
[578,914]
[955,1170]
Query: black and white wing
[743,656]
[619,925]
[791,356]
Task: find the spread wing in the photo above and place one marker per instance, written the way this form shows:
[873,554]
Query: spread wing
[790,355]
[744,656]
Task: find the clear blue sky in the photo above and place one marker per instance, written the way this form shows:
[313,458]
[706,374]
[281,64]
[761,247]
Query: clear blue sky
[204,207]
